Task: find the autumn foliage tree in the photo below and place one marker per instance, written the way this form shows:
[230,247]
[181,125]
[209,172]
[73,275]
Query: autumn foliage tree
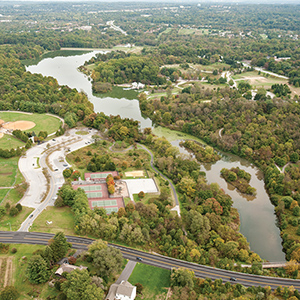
[110,184]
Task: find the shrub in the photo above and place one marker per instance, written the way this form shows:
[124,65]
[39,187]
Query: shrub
[9,293]
[72,260]
[141,194]
[19,207]
[13,212]
[14,250]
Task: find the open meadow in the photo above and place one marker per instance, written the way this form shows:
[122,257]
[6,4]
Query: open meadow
[259,80]
[156,281]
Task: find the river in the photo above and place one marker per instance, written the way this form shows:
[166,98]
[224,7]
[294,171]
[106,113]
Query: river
[258,221]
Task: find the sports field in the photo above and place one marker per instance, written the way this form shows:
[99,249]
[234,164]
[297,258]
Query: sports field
[42,122]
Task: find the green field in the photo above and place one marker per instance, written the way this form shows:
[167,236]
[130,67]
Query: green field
[10,141]
[15,222]
[259,80]
[19,269]
[154,280]
[173,135]
[8,171]
[43,122]
[214,66]
[62,220]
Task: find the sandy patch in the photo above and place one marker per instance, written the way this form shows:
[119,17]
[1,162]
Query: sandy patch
[1,134]
[134,174]
[1,121]
[22,125]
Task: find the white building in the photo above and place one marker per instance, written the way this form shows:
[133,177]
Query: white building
[122,291]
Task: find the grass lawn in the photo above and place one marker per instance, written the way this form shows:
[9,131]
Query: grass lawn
[43,122]
[155,280]
[8,171]
[258,81]
[214,66]
[186,31]
[10,141]
[173,135]
[62,220]
[3,192]
[16,221]
[19,270]
[82,132]
[168,30]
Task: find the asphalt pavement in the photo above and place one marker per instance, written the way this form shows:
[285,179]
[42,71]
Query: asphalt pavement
[157,260]
[31,166]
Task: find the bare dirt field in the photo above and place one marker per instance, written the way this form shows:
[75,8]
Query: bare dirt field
[1,121]
[6,269]
[134,174]
[1,135]
[22,125]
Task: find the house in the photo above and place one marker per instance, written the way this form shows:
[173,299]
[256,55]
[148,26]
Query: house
[122,291]
[68,268]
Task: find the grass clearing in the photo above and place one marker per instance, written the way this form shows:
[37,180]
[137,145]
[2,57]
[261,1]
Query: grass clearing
[43,122]
[8,171]
[214,66]
[14,222]
[81,132]
[173,135]
[10,141]
[62,220]
[259,80]
[155,280]
[19,272]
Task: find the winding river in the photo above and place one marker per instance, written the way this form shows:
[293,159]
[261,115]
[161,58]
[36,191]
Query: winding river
[258,222]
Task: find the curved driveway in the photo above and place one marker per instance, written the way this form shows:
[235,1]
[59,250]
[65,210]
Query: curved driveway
[31,167]
[155,260]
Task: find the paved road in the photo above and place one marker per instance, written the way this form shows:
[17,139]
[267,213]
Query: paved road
[177,207]
[126,272]
[31,167]
[155,260]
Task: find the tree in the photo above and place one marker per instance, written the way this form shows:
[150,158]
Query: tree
[141,194]
[79,286]
[182,277]
[97,246]
[37,270]
[9,293]
[139,288]
[107,260]
[59,246]
[19,207]
[2,211]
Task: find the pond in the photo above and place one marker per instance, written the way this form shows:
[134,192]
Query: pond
[258,221]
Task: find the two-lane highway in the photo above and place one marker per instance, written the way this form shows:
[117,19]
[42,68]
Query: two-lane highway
[155,260]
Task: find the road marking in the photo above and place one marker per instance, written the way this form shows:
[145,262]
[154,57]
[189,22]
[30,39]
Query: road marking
[212,274]
[176,265]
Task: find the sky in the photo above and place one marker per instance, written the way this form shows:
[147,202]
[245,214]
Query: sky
[175,1]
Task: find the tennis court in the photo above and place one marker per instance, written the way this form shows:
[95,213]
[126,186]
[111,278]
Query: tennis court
[90,188]
[99,175]
[103,203]
[94,195]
